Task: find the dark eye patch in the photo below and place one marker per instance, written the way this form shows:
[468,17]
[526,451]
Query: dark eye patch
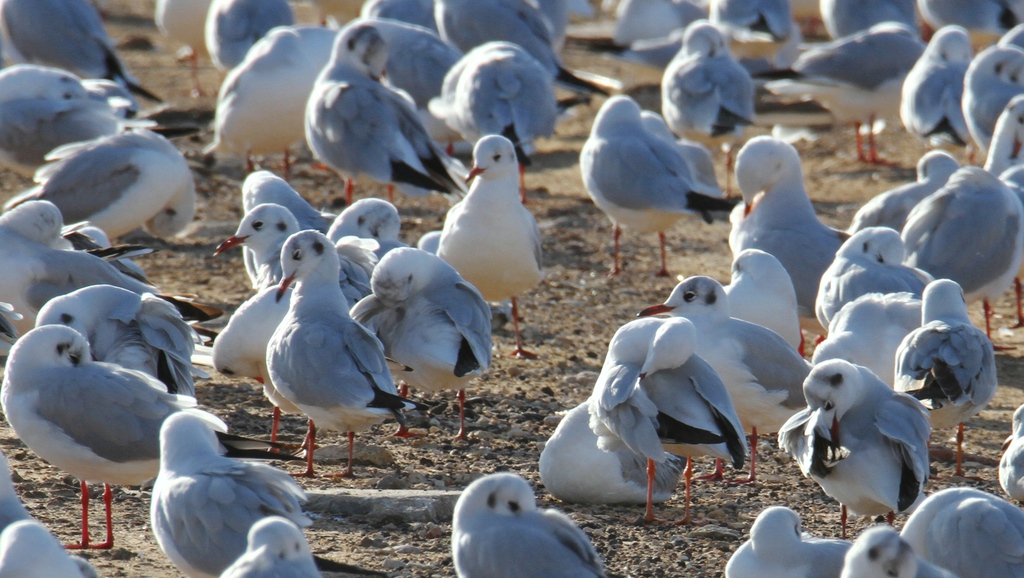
[492,500]
[318,247]
[711,298]
[835,379]
[66,318]
[514,506]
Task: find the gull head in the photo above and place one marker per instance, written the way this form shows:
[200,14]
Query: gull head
[831,389]
[880,245]
[307,255]
[673,344]
[81,309]
[39,221]
[880,553]
[369,219]
[494,157]
[266,187]
[619,112]
[943,299]
[693,296]
[758,265]
[278,538]
[764,163]
[703,39]
[950,44]
[937,165]
[1005,63]
[46,347]
[185,438]
[502,494]
[362,46]
[28,81]
[1008,135]
[775,526]
[403,271]
[263,228]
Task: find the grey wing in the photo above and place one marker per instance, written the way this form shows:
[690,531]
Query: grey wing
[773,362]
[349,129]
[115,412]
[174,341]
[666,475]
[903,421]
[624,410]
[423,76]
[66,271]
[614,165]
[734,86]
[366,311]
[794,441]
[959,351]
[856,61]
[88,182]
[68,35]
[526,547]
[983,528]
[569,535]
[31,128]
[471,315]
[938,98]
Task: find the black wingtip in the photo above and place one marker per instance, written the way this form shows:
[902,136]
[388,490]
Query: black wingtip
[574,82]
[706,205]
[140,91]
[783,74]
[241,447]
[325,565]
[192,311]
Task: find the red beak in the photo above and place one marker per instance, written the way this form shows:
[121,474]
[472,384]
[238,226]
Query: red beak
[1006,444]
[835,430]
[1016,148]
[230,243]
[285,283]
[655,310]
[473,173]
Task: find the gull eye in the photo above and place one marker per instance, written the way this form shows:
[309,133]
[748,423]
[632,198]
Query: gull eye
[257,225]
[361,220]
[496,157]
[296,255]
[68,96]
[66,318]
[492,500]
[514,506]
[689,296]
[282,227]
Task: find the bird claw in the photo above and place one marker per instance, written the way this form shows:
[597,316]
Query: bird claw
[520,353]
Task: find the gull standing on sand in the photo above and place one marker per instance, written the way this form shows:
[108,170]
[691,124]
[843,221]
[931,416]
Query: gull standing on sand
[140,332]
[969,231]
[655,396]
[29,550]
[932,92]
[890,209]
[234,26]
[44,108]
[870,261]
[986,20]
[777,548]
[1011,465]
[637,178]
[357,126]
[119,183]
[369,218]
[204,504]
[697,156]
[869,330]
[863,443]
[852,79]
[498,532]
[970,532]
[762,293]
[261,106]
[947,364]
[66,34]
[429,319]
[183,22]
[844,18]
[489,237]
[319,358]
[880,552]
[994,77]
[777,217]
[761,372]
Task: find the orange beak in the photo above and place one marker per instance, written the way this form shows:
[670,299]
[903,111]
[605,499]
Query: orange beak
[1016,148]
[655,310]
[473,173]
[1006,444]
[230,243]
[753,203]
[285,283]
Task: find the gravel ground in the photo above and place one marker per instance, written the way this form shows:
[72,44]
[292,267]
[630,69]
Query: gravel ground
[513,409]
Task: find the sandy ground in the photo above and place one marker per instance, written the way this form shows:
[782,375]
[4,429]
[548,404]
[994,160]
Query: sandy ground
[569,319]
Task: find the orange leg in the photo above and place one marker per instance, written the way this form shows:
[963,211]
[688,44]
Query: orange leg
[987,309]
[462,415]
[717,476]
[842,520]
[519,352]
[391,193]
[275,424]
[663,272]
[649,514]
[522,183]
[616,270]
[349,186]
[1018,292]
[310,444]
[108,498]
[752,479]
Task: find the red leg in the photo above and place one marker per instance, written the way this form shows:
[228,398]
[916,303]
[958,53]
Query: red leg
[310,443]
[615,252]
[249,166]
[1018,292]
[842,520]
[800,349]
[287,165]
[860,143]
[462,415]
[351,454]
[960,454]
[108,506]
[275,424]
[85,520]
[717,476]
[403,432]
[664,269]
[519,352]
[522,183]
[391,193]
[349,186]
[987,309]
[752,479]
[873,156]
[891,518]
[649,513]
[728,169]
[450,149]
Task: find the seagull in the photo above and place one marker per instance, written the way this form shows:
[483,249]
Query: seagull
[843,18]
[319,358]
[369,218]
[43,108]
[777,548]
[183,23]
[357,126]
[1004,151]
[498,532]
[66,34]
[8,332]
[879,552]
[697,156]
[574,469]
[755,28]
[119,183]
[418,59]
[704,91]
[864,444]
[261,107]
[637,20]
[234,26]
[848,77]
[29,550]
[777,217]
[948,363]
[262,231]
[11,508]
[761,293]
[986,20]
[417,12]
[140,332]
[638,178]
[869,330]
[1011,465]
[979,216]
[970,532]
[994,77]
[266,187]
[429,319]
[870,261]
[930,104]
[204,504]
[489,237]
[890,209]
[761,372]
[655,396]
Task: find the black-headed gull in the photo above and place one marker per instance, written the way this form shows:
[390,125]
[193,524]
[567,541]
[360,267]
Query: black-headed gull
[761,292]
[204,504]
[266,187]
[930,104]
[880,552]
[655,396]
[863,443]
[844,18]
[1011,465]
[638,178]
[498,532]
[429,319]
[761,372]
[994,77]
[976,214]
[755,28]
[947,363]
[870,261]
[66,34]
[890,209]
[263,231]
[986,20]
[319,358]
[777,548]
[119,183]
[234,26]
[418,12]
[489,237]
[29,550]
[369,218]
[970,532]
[574,469]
